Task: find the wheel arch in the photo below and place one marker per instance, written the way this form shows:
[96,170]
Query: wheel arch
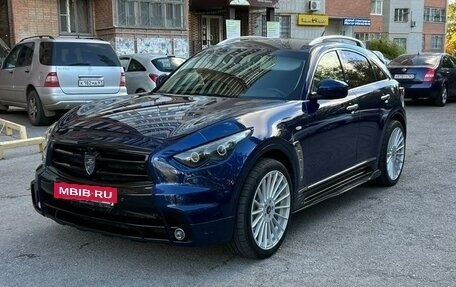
[277,149]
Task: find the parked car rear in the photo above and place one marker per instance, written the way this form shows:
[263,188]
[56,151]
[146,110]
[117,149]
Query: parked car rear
[45,74]
[426,75]
[142,70]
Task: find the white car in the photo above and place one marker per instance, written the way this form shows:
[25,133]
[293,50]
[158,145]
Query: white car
[142,70]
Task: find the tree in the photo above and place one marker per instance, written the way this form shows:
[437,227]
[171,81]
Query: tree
[451,31]
[388,48]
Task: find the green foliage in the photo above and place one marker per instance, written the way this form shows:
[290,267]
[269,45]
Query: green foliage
[388,48]
[451,30]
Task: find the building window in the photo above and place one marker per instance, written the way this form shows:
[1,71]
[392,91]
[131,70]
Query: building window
[401,42]
[401,15]
[377,7]
[368,36]
[437,42]
[434,15]
[75,16]
[285,26]
[151,13]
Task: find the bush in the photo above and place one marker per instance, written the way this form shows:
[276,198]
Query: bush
[388,48]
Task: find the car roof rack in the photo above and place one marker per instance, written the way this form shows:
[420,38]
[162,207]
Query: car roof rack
[339,39]
[38,36]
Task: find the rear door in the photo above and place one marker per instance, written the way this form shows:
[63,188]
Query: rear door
[448,71]
[373,92]
[87,68]
[136,76]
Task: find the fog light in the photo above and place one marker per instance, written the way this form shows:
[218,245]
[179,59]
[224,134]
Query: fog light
[179,234]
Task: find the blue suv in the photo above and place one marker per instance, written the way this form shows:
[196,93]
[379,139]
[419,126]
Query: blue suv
[228,147]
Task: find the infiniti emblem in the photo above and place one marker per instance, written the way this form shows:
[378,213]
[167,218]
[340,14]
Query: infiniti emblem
[404,70]
[90,158]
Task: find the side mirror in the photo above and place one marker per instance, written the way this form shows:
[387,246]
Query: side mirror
[330,89]
[161,79]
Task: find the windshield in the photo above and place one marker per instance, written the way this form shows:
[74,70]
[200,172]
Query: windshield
[239,71]
[416,60]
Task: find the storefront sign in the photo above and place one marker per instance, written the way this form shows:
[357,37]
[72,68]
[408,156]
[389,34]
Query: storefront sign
[233,28]
[357,22]
[273,29]
[312,20]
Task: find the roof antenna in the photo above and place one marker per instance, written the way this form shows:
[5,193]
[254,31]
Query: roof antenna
[322,34]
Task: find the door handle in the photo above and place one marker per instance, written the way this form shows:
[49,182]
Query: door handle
[352,108]
[385,97]
[27,71]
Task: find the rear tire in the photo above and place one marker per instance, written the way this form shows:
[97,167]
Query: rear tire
[35,110]
[264,211]
[442,97]
[392,155]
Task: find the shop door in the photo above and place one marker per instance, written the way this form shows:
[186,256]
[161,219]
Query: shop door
[211,30]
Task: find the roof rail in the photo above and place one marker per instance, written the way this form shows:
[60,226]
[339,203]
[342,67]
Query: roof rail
[242,38]
[38,36]
[338,38]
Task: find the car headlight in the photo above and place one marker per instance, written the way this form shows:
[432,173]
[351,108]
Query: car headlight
[47,137]
[214,151]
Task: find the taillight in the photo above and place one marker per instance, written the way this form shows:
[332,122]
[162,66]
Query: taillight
[153,77]
[429,76]
[122,79]
[51,80]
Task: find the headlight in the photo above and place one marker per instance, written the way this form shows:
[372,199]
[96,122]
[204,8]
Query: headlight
[47,137]
[214,151]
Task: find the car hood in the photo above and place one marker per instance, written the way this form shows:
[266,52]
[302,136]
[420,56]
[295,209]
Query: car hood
[154,118]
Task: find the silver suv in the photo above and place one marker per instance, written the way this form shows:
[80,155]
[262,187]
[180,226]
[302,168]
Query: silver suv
[45,74]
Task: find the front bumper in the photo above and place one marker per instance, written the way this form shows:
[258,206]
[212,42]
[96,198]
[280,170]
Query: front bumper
[146,213]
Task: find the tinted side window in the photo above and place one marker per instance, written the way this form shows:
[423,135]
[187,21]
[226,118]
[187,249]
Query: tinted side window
[46,50]
[357,68]
[328,67]
[26,55]
[379,73]
[135,66]
[446,62]
[11,60]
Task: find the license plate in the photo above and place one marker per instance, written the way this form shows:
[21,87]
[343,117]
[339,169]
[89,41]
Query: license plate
[404,76]
[91,83]
[92,193]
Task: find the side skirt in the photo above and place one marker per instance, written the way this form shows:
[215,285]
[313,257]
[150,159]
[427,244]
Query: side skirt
[335,185]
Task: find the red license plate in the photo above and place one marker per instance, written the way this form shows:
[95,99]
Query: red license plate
[102,194]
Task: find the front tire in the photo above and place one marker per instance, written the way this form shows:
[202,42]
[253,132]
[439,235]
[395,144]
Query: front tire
[35,110]
[392,155]
[264,210]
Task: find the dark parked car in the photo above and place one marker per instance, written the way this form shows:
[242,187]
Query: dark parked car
[236,140]
[426,75]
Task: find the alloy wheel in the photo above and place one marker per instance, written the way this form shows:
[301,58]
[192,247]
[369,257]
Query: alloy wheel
[270,211]
[395,153]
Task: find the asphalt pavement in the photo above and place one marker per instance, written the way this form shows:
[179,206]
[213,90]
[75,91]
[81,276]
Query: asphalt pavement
[370,236]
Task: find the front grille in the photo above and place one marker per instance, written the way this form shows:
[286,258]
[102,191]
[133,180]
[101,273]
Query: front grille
[111,165]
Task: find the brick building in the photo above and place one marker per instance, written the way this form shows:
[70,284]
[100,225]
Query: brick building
[184,27]
[130,25]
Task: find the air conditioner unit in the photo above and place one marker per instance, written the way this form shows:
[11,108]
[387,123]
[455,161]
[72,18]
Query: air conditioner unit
[314,5]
